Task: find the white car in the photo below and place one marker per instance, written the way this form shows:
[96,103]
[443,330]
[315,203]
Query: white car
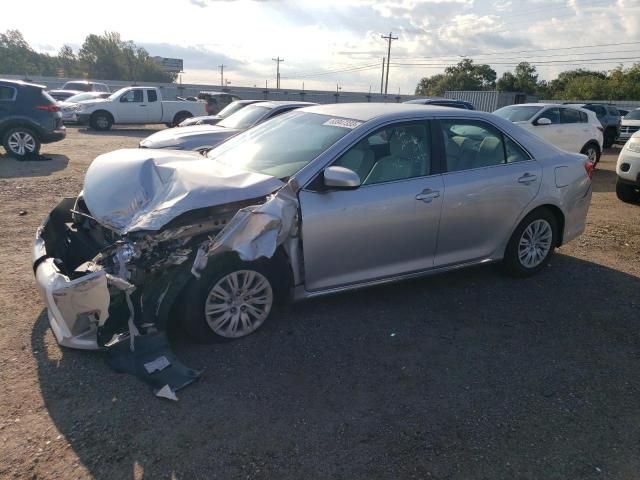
[136,105]
[70,106]
[628,170]
[630,125]
[572,129]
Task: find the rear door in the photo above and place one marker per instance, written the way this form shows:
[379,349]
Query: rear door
[8,97]
[132,107]
[154,107]
[386,227]
[489,182]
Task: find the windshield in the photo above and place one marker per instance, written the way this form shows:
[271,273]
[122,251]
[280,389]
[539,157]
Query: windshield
[245,117]
[83,87]
[633,115]
[517,113]
[233,107]
[82,96]
[284,145]
[117,93]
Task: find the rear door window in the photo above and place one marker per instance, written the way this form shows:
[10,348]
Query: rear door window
[7,93]
[152,95]
[472,144]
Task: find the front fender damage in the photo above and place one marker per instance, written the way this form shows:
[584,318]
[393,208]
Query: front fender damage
[120,299]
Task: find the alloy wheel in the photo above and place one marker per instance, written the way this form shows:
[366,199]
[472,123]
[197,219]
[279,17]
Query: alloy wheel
[238,303]
[592,155]
[535,243]
[21,143]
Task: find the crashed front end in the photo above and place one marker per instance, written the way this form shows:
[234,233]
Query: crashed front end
[111,263]
[99,285]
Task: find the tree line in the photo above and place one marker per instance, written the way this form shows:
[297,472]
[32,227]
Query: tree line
[104,56]
[616,84]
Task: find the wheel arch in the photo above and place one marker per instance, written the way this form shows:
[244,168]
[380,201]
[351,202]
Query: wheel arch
[113,120]
[559,216]
[181,115]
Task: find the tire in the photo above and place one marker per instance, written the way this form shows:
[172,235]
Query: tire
[627,193]
[208,291]
[101,121]
[540,220]
[609,138]
[21,143]
[180,116]
[592,151]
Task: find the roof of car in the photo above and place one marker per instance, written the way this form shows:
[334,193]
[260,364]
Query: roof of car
[21,83]
[368,111]
[279,103]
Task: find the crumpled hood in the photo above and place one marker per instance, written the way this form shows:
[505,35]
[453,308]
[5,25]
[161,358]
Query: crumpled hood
[188,138]
[140,189]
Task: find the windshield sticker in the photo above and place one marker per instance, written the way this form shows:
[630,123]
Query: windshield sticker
[343,122]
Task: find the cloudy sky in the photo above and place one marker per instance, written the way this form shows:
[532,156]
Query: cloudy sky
[325,42]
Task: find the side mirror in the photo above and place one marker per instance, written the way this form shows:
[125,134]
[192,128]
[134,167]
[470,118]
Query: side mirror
[543,121]
[341,177]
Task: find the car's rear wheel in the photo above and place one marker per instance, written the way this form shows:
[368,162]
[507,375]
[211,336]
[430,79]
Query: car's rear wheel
[21,142]
[101,121]
[232,299]
[592,152]
[531,244]
[627,193]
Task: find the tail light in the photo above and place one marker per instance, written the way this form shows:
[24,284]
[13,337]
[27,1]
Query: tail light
[600,128]
[588,166]
[48,108]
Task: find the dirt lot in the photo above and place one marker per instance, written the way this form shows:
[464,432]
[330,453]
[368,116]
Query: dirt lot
[460,376]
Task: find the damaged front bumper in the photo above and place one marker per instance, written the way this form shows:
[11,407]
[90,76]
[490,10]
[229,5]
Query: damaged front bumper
[75,307]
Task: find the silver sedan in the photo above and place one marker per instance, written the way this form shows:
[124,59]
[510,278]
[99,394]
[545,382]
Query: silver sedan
[319,200]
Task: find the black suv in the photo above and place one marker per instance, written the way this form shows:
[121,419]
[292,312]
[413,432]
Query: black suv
[443,102]
[609,117]
[28,118]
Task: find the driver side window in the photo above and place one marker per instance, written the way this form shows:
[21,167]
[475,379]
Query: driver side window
[552,114]
[132,96]
[396,152]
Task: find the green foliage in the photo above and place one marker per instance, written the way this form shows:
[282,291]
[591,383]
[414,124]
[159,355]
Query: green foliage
[104,56]
[464,76]
[524,79]
[579,84]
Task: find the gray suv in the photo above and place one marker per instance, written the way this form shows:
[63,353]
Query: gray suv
[609,117]
[29,117]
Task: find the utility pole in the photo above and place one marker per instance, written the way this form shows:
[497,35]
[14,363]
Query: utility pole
[390,38]
[221,75]
[382,77]
[278,60]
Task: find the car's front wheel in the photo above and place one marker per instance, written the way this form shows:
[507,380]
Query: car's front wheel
[531,244]
[21,142]
[232,299]
[101,121]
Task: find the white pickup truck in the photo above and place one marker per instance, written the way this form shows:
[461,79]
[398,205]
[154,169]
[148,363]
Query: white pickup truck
[136,105]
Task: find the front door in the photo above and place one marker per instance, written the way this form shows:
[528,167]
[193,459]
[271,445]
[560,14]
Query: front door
[388,226]
[132,108]
[490,180]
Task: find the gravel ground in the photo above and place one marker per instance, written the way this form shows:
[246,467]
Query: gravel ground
[459,376]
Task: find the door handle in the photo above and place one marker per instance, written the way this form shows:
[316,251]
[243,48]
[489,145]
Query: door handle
[428,195]
[143,105]
[527,178]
